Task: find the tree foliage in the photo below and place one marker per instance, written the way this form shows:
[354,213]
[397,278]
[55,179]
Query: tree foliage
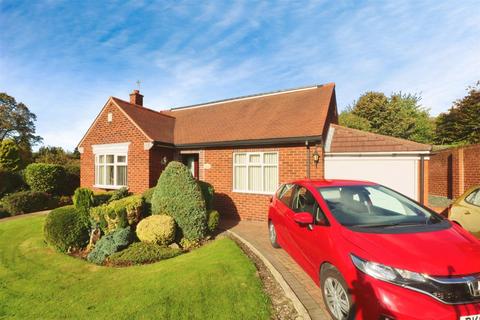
[399,115]
[461,124]
[17,122]
[55,155]
[9,156]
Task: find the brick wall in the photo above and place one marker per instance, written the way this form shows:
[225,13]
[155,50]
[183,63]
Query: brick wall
[245,206]
[452,171]
[121,129]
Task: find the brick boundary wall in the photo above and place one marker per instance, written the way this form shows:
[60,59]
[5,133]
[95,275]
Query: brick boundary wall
[452,171]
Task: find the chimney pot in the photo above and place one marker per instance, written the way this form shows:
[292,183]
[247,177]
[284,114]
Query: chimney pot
[136,98]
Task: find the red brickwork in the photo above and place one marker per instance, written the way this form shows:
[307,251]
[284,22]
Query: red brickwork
[247,206]
[118,131]
[453,171]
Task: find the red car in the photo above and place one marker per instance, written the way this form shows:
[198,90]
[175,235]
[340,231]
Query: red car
[375,253]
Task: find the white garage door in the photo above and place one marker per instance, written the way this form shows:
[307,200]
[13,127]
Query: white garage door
[399,174]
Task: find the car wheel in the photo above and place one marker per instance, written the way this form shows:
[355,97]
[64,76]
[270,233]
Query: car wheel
[272,234]
[336,294]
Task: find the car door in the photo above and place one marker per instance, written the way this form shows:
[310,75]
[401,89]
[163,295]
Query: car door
[282,207]
[470,208]
[312,241]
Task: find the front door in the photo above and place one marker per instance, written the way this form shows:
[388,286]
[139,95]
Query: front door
[191,161]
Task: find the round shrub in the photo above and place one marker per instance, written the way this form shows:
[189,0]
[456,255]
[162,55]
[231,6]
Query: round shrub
[213,220]
[141,253]
[44,177]
[159,229]
[27,201]
[178,194]
[208,193]
[64,229]
[109,244]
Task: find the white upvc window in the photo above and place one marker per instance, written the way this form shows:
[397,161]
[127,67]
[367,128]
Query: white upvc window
[111,165]
[255,172]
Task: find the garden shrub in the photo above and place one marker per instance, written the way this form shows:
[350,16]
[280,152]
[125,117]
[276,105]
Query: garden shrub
[83,201]
[27,201]
[213,220]
[4,213]
[10,159]
[64,201]
[147,196]
[208,193]
[118,214]
[141,253]
[65,229]
[44,177]
[119,194]
[72,179]
[100,198]
[187,244]
[109,244]
[159,229]
[10,182]
[178,195]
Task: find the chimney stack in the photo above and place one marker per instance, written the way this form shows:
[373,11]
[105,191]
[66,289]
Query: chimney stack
[136,98]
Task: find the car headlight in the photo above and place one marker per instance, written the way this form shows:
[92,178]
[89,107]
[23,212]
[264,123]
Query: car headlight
[386,273]
[447,290]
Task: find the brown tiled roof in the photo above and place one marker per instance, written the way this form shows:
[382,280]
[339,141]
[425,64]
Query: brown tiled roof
[351,140]
[156,125]
[296,113]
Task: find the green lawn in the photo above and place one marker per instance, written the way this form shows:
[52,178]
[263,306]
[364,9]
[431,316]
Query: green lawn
[216,281]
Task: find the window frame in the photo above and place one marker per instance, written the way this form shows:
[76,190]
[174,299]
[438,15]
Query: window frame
[261,164]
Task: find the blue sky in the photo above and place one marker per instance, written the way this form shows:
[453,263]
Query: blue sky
[65,58]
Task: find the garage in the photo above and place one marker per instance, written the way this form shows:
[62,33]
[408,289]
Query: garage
[397,173]
[396,163]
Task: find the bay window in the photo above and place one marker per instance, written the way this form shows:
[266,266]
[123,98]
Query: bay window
[111,165]
[255,172]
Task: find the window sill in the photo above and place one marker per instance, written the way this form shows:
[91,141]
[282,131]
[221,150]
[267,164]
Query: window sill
[99,186]
[259,193]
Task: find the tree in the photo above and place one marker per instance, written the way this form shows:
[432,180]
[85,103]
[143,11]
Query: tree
[9,156]
[17,122]
[55,155]
[461,124]
[398,115]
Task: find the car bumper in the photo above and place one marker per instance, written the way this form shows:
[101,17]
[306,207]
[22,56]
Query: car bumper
[377,299]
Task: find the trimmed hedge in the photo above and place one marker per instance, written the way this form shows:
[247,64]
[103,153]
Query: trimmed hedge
[117,214]
[142,253]
[28,201]
[4,213]
[159,229]
[10,182]
[213,220]
[208,193]
[44,177]
[178,195]
[65,229]
[109,244]
[72,179]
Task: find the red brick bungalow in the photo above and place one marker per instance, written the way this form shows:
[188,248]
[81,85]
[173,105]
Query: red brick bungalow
[245,147]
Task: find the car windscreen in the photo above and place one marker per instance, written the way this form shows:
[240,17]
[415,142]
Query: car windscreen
[374,206]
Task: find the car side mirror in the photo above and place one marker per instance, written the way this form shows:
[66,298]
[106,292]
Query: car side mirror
[303,218]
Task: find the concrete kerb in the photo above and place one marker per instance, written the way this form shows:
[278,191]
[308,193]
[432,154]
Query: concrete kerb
[297,304]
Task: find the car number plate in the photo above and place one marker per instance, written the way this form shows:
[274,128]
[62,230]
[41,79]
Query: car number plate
[472,317]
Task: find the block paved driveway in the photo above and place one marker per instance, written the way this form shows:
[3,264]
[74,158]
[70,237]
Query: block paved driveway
[305,289]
